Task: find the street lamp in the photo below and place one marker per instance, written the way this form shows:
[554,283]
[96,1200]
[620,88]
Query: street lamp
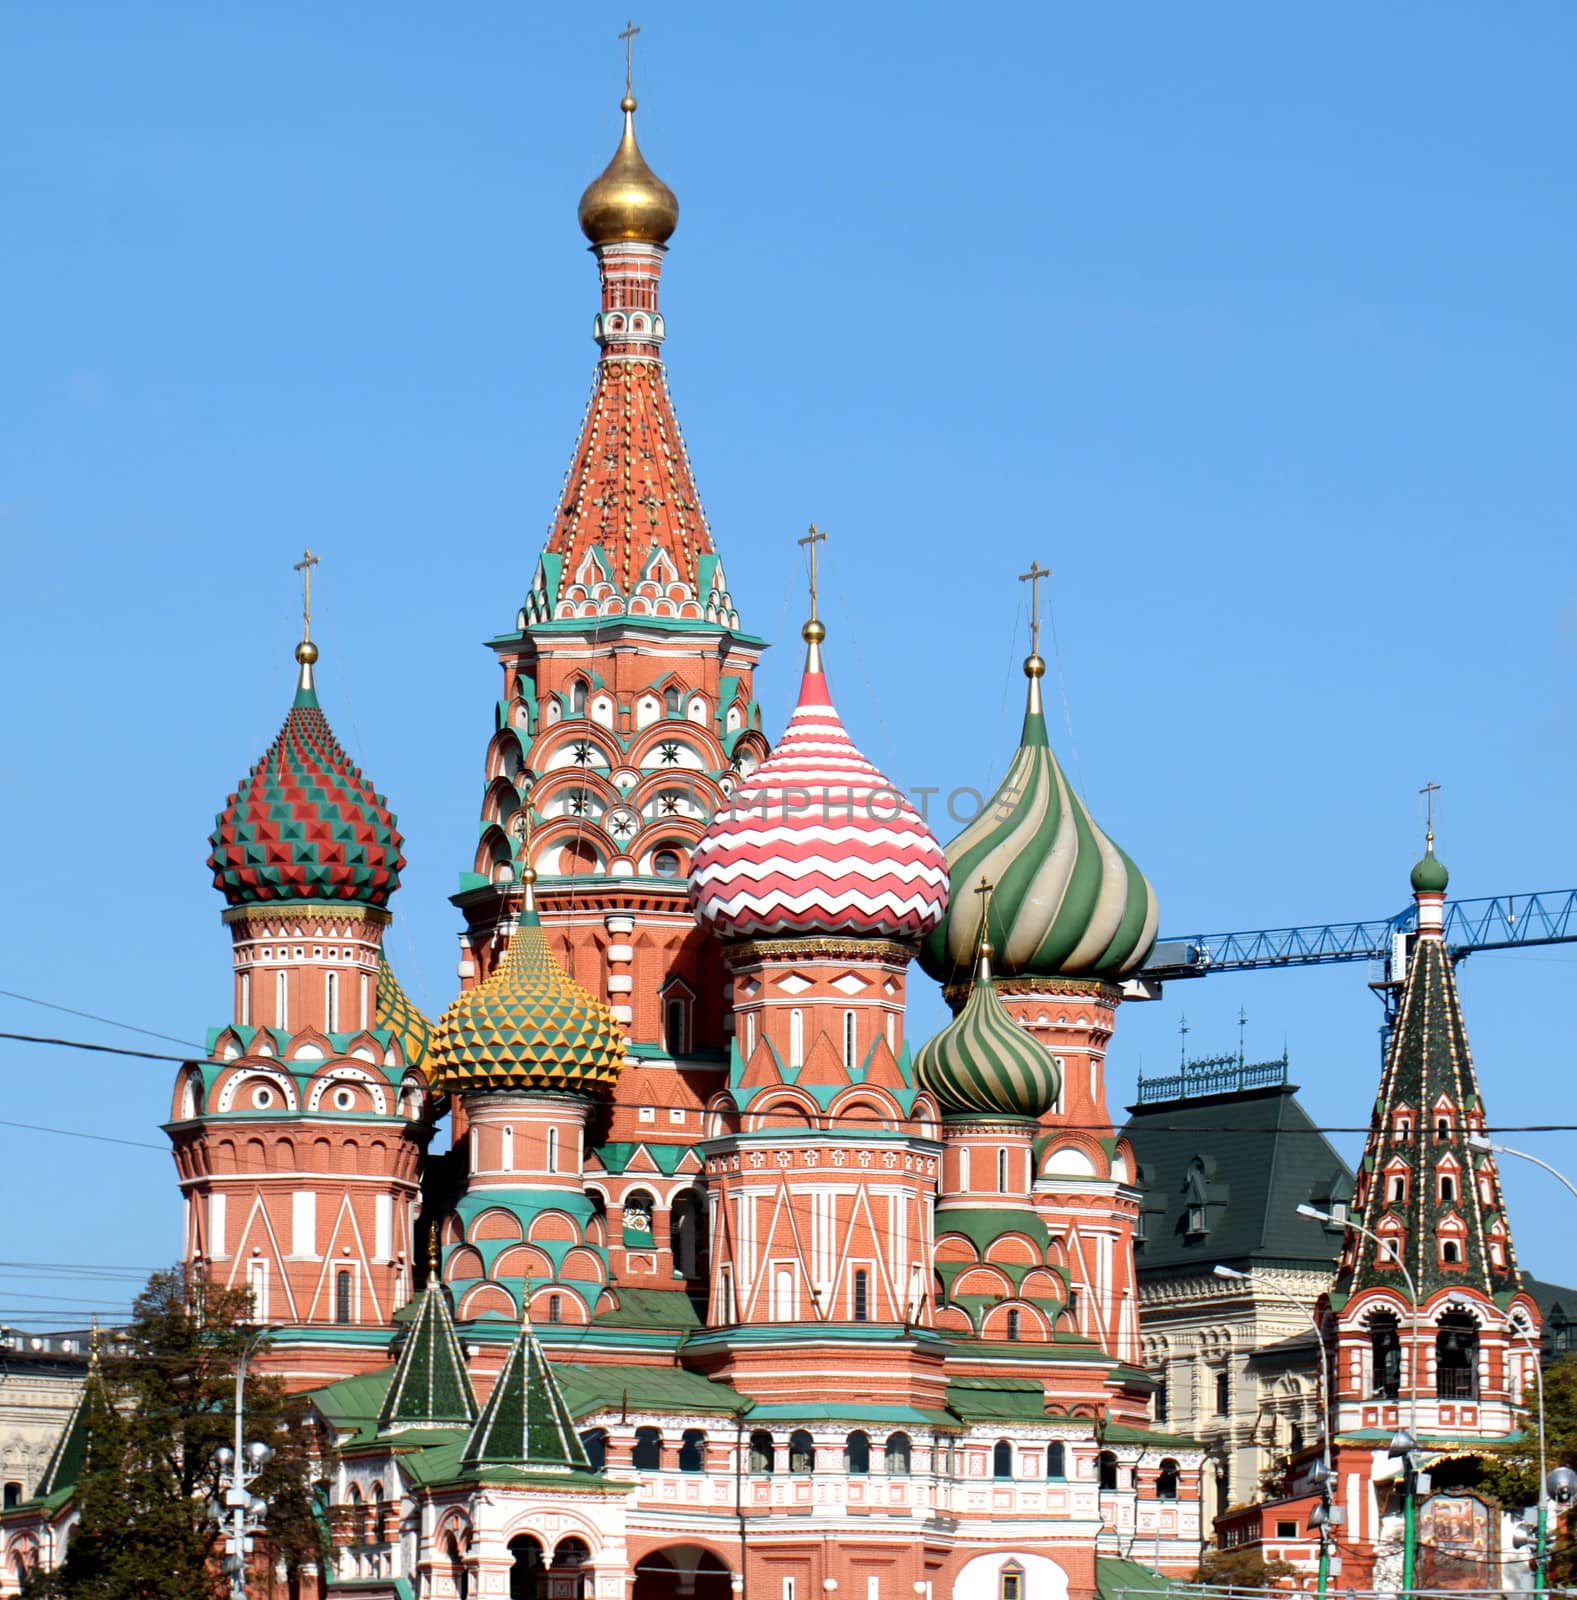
[238,1468]
[1520,1330]
[1322,1517]
[1483,1143]
[1404,1443]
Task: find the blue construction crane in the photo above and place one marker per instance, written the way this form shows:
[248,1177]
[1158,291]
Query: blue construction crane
[1501,922]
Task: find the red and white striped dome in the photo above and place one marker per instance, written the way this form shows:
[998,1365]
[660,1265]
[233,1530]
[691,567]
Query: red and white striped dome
[816,840]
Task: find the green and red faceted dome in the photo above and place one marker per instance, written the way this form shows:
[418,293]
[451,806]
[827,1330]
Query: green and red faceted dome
[304,824]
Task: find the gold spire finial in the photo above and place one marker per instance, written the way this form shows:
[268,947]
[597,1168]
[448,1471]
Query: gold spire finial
[306,651]
[528,873]
[1429,791]
[813,632]
[93,1343]
[983,951]
[628,36]
[432,1251]
[1034,664]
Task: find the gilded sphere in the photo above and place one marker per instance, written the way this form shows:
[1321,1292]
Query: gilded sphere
[813,632]
[306,652]
[1035,666]
[629,201]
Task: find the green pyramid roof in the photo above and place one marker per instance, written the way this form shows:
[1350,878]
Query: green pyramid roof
[526,1422]
[70,1458]
[430,1387]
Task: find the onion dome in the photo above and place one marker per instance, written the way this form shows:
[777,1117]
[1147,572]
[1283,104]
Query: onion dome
[629,201]
[1067,902]
[401,1017]
[817,841]
[983,1064]
[304,823]
[1429,875]
[529,1026]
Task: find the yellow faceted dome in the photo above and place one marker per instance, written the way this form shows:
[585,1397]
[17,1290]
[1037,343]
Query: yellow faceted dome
[629,201]
[530,1026]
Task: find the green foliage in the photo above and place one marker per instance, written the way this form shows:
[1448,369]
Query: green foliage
[162,1408]
[1243,1568]
[1511,1474]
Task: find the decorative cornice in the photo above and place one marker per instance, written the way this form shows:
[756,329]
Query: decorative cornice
[750,952]
[295,910]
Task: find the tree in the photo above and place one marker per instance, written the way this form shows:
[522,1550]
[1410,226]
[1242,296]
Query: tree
[1511,1473]
[143,1493]
[1243,1568]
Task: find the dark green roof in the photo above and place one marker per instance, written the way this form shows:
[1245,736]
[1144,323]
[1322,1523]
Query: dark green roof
[997,1399]
[587,1388]
[1241,1163]
[648,1308]
[1115,1577]
[984,1225]
[430,1386]
[526,1422]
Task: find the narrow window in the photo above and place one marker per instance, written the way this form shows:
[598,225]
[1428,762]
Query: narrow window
[342,1291]
[692,1451]
[1448,1187]
[257,1282]
[675,1028]
[1056,1459]
[331,1002]
[725,1294]
[1442,1129]
[507,1160]
[244,1006]
[862,1288]
[789,1590]
[762,1451]
[553,1149]
[848,1041]
[1002,1172]
[366,1000]
[1398,1189]
[897,1454]
[857,1452]
[1106,1470]
[1010,1582]
[750,1035]
[802,1452]
[1160,1401]
[796,1038]
[647,1456]
[1223,1394]
[1013,1327]
[1450,1252]
[595,1443]
[1166,1480]
[577,700]
[1002,1459]
[555,1308]
[963,1168]
[281,999]
[13,1495]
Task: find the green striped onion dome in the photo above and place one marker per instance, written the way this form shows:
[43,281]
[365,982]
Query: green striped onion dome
[1066,901]
[529,1026]
[983,1064]
[399,1015]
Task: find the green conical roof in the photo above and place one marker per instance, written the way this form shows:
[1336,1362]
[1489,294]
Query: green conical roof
[430,1387]
[529,1026]
[525,1422]
[984,1064]
[74,1447]
[1067,901]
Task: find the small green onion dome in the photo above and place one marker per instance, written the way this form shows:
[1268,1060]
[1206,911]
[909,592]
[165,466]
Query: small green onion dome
[983,1064]
[529,1026]
[1429,876]
[1067,901]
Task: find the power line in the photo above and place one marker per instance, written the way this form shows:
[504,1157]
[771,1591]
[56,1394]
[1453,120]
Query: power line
[109,1022]
[77,1133]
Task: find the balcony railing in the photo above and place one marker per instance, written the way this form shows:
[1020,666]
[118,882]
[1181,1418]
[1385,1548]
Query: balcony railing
[1456,1383]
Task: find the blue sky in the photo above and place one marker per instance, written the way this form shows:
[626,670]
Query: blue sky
[1253,322]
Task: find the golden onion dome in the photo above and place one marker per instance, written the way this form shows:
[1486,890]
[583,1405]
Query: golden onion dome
[629,201]
[529,1026]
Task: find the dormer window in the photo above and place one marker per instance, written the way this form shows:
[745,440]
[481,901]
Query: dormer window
[1448,1188]
[1404,1130]
[1194,1222]
[1442,1129]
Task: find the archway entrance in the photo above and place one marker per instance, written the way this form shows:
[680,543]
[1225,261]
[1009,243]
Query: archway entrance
[682,1572]
[528,1571]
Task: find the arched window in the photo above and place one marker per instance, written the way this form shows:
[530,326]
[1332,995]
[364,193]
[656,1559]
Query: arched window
[796,1038]
[356,1516]
[762,1451]
[1010,1581]
[553,1149]
[526,1570]
[555,1308]
[692,1451]
[508,1160]
[13,1495]
[1166,1480]
[331,1002]
[281,1000]
[577,698]
[1385,1354]
[1223,1394]
[380,1516]
[594,1441]
[963,1168]
[1002,1459]
[647,1456]
[1398,1188]
[676,1035]
[849,1043]
[460,1573]
[897,1454]
[862,1295]
[857,1452]
[1442,1129]
[1450,1252]
[687,1231]
[1106,1469]
[673,701]
[1456,1357]
[1056,1459]
[1013,1326]
[573,1556]
[1448,1187]
[342,1295]
[1002,1172]
[802,1452]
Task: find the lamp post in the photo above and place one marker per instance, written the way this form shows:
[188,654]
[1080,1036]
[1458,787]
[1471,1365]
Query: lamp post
[238,1468]
[1520,1330]
[1322,1396]
[1404,1442]
[1483,1143]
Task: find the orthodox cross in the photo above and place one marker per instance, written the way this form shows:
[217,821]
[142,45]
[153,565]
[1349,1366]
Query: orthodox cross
[1032,578]
[1182,1037]
[305,566]
[985,891]
[628,36]
[1429,791]
[813,538]
[1242,1024]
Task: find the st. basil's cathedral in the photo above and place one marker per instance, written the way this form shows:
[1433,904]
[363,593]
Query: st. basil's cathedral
[721,1284]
